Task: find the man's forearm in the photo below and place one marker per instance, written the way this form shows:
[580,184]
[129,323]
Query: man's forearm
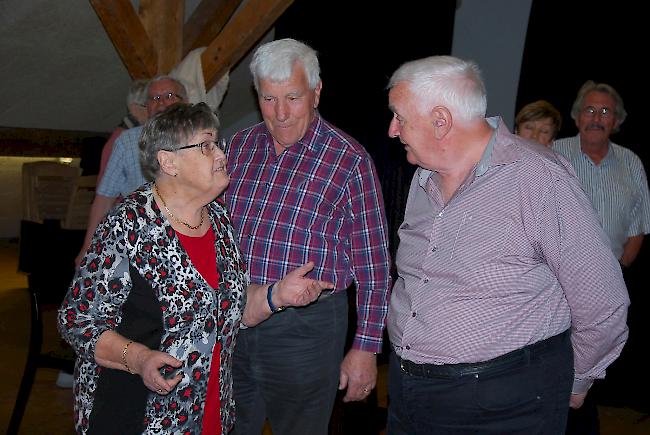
[98,210]
[631,250]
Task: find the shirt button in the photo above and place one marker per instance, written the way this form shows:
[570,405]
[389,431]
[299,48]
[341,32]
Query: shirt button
[413,314]
[434,249]
[426,280]
[440,214]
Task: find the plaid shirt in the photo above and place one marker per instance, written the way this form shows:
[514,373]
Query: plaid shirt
[318,201]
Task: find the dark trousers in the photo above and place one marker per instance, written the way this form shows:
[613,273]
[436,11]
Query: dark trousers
[523,392]
[286,369]
[584,420]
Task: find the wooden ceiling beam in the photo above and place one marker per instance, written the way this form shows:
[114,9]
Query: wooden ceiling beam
[163,21]
[39,142]
[243,31]
[208,19]
[129,36]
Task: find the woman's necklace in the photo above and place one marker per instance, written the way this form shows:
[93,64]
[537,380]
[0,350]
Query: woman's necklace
[171,215]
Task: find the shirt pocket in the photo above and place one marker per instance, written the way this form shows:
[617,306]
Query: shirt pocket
[316,204]
[480,238]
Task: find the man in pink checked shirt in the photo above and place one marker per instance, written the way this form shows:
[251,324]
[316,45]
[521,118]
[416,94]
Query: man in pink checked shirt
[301,190]
[509,302]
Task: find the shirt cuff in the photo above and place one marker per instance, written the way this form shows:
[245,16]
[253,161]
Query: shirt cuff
[367,344]
[581,385]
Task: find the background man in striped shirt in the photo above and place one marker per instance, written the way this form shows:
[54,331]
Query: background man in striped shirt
[614,179]
[503,270]
[302,190]
[612,176]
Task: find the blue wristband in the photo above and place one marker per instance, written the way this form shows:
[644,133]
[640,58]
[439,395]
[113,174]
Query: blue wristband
[273,308]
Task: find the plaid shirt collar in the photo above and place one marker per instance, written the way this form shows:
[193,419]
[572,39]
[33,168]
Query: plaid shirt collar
[310,139]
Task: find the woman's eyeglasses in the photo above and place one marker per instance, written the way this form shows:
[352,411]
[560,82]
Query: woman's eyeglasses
[207,147]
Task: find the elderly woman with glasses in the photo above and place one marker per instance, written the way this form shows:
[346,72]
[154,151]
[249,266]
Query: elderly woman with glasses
[154,310]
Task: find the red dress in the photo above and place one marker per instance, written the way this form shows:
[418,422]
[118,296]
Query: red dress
[202,253]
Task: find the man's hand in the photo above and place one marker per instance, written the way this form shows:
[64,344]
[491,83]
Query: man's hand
[577,400]
[295,289]
[358,374]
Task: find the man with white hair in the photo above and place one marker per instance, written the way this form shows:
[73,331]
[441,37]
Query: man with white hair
[508,302]
[302,190]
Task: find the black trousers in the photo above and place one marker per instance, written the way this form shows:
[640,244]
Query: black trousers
[524,392]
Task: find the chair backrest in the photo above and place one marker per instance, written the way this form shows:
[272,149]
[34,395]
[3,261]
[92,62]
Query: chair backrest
[47,189]
[80,201]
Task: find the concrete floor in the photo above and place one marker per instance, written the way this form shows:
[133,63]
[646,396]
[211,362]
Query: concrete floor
[49,410]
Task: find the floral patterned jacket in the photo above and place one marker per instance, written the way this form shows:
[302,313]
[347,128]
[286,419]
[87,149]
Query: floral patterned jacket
[137,279]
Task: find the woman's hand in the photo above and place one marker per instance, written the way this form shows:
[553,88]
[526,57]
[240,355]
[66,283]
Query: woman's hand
[149,364]
[117,352]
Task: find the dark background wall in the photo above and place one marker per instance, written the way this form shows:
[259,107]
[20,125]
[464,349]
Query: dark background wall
[357,56]
[567,43]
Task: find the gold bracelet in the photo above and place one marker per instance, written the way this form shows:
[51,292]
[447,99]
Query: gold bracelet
[124,350]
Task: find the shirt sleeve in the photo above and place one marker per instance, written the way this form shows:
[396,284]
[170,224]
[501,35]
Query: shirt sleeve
[99,289]
[370,257]
[577,250]
[640,220]
[115,172]
[107,150]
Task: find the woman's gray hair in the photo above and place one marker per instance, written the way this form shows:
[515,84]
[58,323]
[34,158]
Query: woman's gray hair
[275,60]
[170,130]
[592,86]
[445,81]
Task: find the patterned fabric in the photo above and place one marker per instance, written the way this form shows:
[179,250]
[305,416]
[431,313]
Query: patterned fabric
[319,200]
[136,243]
[123,174]
[617,187]
[514,257]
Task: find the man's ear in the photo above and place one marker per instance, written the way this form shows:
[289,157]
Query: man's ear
[442,121]
[167,162]
[317,90]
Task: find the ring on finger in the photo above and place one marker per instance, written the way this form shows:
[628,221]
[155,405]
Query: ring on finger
[160,390]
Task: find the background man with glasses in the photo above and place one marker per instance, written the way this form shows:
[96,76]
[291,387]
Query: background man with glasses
[123,174]
[612,176]
[614,179]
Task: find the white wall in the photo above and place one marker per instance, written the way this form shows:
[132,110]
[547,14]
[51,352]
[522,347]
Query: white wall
[239,109]
[493,34]
[11,194]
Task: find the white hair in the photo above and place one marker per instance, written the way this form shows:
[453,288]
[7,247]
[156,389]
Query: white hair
[445,81]
[275,60]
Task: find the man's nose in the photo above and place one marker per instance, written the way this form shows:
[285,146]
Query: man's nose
[393,130]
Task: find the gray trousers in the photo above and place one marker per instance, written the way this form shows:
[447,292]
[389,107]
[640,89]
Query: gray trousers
[286,369]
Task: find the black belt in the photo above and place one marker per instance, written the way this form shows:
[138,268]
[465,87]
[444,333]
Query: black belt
[510,360]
